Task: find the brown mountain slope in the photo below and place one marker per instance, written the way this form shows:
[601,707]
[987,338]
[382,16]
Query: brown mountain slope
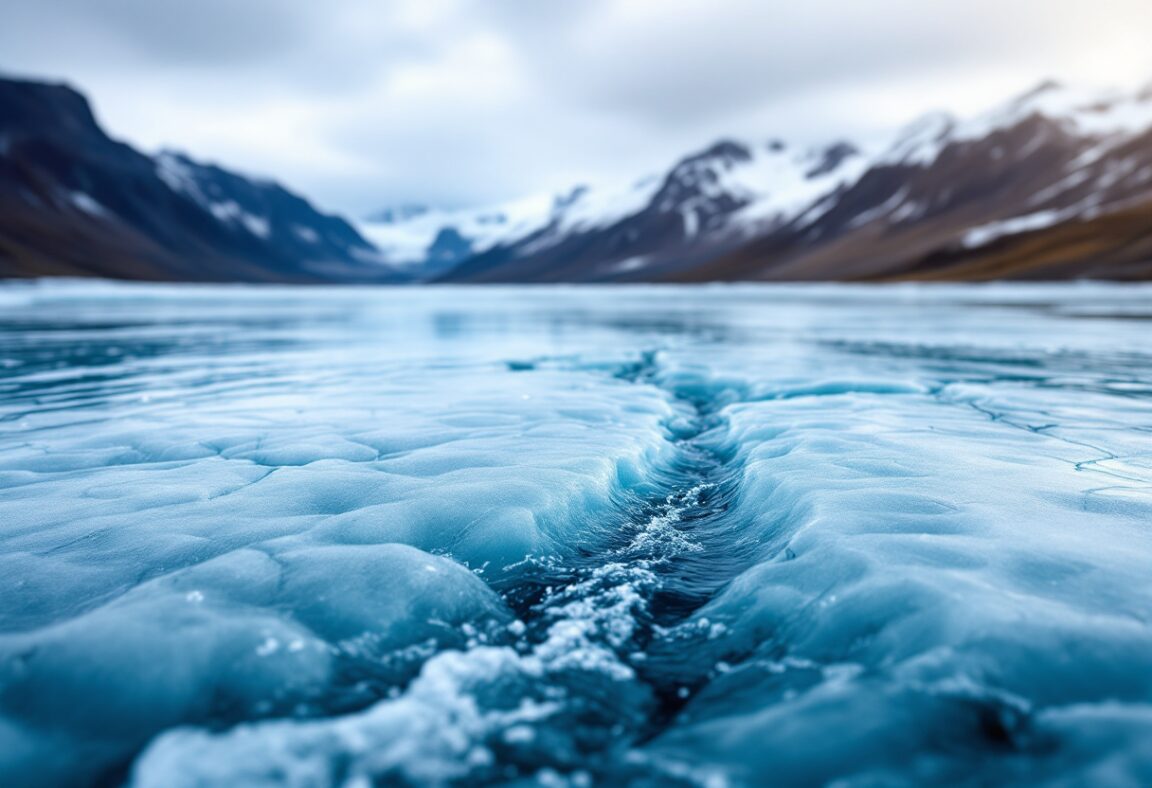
[1114,246]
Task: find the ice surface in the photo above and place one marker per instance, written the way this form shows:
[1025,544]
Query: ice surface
[881,535]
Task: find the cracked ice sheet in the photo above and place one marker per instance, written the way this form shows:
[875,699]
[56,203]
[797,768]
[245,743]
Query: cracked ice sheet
[940,509]
[174,452]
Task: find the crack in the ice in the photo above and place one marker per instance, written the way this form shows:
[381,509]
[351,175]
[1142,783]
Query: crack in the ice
[609,612]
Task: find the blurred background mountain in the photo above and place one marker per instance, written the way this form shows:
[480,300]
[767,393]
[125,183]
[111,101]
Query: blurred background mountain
[1055,184]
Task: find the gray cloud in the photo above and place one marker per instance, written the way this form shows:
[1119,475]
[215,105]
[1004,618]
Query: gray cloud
[209,33]
[363,103]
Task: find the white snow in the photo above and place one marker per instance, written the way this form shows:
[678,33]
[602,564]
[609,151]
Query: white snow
[1109,115]
[778,186]
[181,177]
[605,204]
[231,212]
[406,242]
[306,234]
[691,221]
[979,236]
[921,141]
[908,210]
[630,264]
[1071,181]
[891,206]
[87,204]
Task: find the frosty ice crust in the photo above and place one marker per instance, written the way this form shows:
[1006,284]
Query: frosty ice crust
[934,546]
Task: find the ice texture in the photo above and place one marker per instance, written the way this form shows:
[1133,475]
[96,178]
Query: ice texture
[571,536]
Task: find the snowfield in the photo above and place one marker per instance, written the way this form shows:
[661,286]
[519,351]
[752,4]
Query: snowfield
[570,536]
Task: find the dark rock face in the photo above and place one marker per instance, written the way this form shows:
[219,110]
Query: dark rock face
[449,248]
[75,202]
[832,157]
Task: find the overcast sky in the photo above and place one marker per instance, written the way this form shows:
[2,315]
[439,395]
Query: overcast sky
[363,104]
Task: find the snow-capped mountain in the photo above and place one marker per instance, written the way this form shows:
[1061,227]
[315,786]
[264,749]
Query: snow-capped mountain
[728,192]
[946,190]
[1055,183]
[432,240]
[75,202]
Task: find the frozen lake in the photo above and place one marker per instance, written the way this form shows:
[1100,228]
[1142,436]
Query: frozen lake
[665,536]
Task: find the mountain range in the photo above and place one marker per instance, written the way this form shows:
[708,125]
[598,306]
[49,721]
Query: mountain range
[74,202]
[1054,184]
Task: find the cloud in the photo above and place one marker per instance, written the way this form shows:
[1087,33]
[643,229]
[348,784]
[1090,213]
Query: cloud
[361,103]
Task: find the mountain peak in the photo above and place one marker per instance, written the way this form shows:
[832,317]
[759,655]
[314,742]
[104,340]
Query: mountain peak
[53,107]
[1085,112]
[830,158]
[726,151]
[921,141]
[1047,87]
[566,200]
